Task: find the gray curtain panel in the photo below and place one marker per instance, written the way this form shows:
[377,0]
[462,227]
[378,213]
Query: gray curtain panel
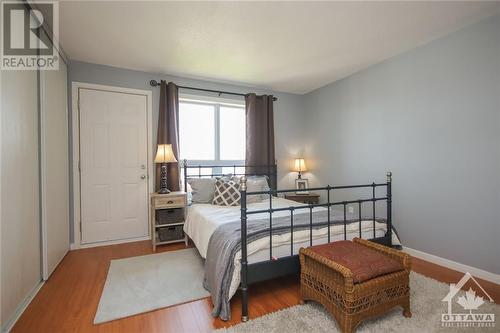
[168,132]
[260,131]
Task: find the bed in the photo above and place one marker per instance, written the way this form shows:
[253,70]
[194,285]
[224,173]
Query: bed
[258,241]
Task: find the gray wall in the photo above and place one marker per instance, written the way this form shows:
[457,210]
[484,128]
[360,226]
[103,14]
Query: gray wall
[432,117]
[289,112]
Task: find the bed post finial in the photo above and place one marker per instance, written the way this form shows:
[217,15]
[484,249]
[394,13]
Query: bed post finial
[243,183]
[389,176]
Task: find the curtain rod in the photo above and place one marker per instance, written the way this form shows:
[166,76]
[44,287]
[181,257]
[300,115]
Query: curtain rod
[155,83]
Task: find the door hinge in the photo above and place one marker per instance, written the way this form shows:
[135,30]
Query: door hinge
[80,229]
[79,167]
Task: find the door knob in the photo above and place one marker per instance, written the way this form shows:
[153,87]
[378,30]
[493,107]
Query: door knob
[143,176]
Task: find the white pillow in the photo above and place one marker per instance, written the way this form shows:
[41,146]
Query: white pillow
[202,189]
[255,184]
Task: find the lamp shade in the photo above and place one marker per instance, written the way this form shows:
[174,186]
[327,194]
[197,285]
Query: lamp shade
[165,154]
[300,165]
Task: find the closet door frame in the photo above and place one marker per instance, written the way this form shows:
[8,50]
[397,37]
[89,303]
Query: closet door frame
[75,129]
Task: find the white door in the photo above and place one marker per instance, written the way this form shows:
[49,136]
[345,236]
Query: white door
[113,165]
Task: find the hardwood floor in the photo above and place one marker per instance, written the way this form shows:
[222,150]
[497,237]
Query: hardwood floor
[68,300]
[450,276]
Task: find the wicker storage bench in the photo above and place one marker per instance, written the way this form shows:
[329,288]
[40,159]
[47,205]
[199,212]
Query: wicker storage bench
[355,280]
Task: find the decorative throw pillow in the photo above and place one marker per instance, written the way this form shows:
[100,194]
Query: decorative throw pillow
[227,193]
[189,194]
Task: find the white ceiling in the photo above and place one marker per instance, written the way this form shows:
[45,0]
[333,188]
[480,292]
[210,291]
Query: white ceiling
[284,46]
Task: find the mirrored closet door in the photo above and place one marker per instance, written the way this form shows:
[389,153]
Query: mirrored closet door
[54,167]
[34,181]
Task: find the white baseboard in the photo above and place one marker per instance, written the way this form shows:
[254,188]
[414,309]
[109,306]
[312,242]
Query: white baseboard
[477,272]
[20,309]
[75,246]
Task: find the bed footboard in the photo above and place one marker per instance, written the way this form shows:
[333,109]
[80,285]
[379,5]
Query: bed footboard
[273,267]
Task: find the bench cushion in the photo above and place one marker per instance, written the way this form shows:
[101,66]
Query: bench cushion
[363,262]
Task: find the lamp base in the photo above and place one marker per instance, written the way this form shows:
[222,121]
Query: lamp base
[163,180]
[164,191]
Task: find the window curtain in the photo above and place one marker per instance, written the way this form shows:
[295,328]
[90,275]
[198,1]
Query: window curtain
[168,132]
[260,131]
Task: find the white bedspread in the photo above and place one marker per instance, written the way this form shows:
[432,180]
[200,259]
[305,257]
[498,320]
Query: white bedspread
[203,219]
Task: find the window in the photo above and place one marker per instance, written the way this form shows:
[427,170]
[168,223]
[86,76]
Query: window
[196,131]
[232,133]
[212,131]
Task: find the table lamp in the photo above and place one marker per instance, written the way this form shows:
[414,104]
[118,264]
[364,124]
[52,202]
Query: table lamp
[300,166]
[164,155]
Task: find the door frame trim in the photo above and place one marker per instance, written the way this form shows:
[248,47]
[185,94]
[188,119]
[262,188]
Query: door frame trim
[75,158]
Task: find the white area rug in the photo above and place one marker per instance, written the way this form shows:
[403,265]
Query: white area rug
[426,307]
[141,284]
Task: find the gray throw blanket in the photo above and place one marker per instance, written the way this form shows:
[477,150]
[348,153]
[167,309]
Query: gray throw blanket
[225,242]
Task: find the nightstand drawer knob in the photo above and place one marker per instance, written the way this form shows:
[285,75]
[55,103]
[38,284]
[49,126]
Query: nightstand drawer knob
[170,202]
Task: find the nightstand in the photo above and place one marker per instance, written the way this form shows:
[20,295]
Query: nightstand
[311,198]
[168,214]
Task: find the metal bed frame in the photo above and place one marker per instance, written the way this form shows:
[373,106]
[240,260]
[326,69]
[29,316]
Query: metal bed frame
[277,267]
